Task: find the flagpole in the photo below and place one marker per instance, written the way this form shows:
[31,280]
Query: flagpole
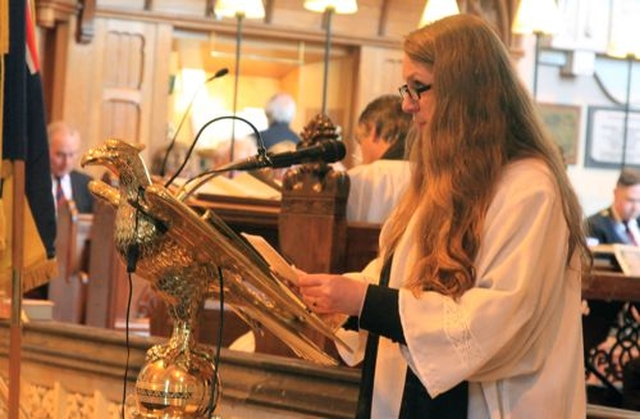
[15,334]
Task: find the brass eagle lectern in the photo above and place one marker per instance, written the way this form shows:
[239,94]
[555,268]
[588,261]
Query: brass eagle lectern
[188,257]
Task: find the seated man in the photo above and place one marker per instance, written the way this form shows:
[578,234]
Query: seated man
[68,183]
[280,110]
[378,182]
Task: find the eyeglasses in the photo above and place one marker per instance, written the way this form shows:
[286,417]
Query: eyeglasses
[413,92]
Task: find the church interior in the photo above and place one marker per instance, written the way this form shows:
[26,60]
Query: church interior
[163,76]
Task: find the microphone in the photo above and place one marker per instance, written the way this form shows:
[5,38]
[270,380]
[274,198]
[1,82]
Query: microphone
[220,73]
[328,151]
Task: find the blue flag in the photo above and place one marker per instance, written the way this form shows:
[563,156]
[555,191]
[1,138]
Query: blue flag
[24,138]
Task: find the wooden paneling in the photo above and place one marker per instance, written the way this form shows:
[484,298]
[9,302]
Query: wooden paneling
[68,290]
[402,17]
[122,90]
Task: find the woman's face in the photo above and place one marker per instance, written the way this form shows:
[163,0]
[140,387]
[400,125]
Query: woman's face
[418,99]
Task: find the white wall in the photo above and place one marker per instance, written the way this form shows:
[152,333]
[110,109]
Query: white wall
[604,84]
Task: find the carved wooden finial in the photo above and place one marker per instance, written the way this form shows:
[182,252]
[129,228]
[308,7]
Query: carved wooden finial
[318,129]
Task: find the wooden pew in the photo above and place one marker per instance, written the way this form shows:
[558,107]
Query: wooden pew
[362,245]
[68,291]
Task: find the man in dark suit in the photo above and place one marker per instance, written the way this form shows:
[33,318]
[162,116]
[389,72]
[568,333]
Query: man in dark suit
[280,111]
[68,183]
[619,222]
[616,224]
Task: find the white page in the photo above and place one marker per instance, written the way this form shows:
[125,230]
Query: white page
[276,262]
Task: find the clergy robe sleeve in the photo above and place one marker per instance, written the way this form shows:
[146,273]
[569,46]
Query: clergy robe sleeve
[382,300]
[349,333]
[506,325]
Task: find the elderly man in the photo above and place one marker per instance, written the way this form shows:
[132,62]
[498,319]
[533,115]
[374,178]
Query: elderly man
[68,183]
[280,110]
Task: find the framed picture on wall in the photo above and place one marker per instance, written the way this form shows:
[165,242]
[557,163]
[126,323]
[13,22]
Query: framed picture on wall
[563,121]
[606,138]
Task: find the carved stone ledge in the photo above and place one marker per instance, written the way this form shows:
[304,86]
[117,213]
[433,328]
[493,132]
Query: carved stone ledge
[86,366]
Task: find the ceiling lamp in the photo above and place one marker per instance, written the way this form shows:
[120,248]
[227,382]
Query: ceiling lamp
[341,7]
[250,9]
[437,9]
[537,16]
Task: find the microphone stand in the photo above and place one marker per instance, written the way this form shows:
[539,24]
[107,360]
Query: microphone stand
[239,16]
[220,73]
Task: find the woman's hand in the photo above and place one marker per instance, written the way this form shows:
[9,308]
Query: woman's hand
[328,294]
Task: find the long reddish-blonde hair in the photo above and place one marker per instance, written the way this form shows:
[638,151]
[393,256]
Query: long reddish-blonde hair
[483,119]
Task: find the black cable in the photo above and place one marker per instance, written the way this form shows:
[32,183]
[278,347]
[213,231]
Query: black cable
[132,259]
[216,360]
[126,334]
[262,150]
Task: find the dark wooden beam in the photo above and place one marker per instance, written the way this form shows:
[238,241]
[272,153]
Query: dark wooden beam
[269,8]
[384,17]
[86,15]
[209,8]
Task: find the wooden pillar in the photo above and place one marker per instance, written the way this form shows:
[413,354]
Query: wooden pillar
[312,226]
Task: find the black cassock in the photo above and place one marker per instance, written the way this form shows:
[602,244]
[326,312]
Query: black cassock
[416,401]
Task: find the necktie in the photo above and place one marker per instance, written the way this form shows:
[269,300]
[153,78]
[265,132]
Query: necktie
[60,198]
[630,236]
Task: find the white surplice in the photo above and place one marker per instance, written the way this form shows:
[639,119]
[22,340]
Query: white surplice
[516,336]
[375,189]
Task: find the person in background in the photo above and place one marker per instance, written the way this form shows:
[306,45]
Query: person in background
[473,308]
[615,224]
[619,222]
[174,161]
[280,110]
[377,183]
[68,183]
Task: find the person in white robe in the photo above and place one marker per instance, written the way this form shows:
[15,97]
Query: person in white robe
[482,310]
[378,182]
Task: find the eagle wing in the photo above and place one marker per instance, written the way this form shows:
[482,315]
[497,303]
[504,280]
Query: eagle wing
[249,285]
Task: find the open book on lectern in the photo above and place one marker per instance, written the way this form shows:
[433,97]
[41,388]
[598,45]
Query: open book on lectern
[254,287]
[623,257]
